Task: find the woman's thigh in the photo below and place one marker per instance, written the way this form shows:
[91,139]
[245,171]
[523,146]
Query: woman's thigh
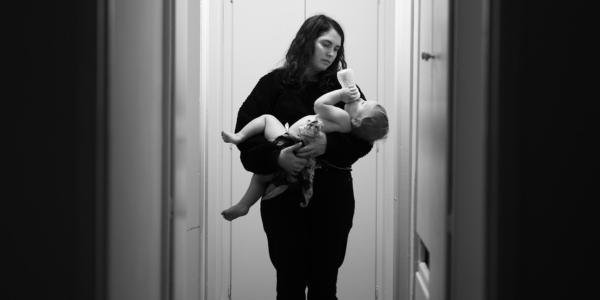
[330,218]
[330,221]
[284,222]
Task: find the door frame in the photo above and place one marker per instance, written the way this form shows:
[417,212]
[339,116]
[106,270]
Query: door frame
[471,40]
[393,192]
[214,271]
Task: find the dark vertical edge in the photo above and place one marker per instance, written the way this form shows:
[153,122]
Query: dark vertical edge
[503,146]
[167,151]
[450,146]
[492,157]
[101,154]
[90,141]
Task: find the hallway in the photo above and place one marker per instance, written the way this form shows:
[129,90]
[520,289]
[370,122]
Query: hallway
[93,205]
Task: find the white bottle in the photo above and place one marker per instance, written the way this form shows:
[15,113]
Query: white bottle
[346,77]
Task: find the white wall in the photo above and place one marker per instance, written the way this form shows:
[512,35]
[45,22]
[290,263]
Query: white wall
[250,60]
[136,160]
[193,163]
[186,223]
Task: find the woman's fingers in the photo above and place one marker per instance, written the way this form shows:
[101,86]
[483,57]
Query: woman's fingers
[316,146]
[298,165]
[289,161]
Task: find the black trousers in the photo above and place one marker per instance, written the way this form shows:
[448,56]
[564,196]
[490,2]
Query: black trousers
[307,245]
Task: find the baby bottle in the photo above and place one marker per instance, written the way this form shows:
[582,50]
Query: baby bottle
[346,77]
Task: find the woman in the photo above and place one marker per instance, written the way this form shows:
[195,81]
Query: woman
[306,245]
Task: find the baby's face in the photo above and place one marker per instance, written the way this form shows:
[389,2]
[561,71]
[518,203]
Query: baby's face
[358,108]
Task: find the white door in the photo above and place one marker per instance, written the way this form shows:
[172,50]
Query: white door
[432,165]
[262,31]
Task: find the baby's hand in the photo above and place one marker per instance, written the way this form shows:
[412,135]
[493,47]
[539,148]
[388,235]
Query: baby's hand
[349,94]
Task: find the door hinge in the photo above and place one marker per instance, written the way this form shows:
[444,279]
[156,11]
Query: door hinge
[229,292]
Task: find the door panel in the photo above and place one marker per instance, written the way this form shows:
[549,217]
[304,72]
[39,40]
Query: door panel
[432,146]
[424,121]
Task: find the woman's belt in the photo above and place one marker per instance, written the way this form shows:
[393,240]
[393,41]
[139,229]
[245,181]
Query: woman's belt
[324,163]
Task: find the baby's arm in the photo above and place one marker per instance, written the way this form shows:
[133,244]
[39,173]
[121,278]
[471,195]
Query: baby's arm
[324,106]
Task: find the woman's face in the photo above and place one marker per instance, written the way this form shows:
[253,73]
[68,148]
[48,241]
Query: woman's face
[326,49]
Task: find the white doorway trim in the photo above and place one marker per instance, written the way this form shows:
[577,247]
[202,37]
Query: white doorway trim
[393,191]
[214,269]
[403,22]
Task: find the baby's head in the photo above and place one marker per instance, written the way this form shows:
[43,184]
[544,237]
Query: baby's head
[369,120]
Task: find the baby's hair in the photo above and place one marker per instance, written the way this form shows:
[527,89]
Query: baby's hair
[373,125]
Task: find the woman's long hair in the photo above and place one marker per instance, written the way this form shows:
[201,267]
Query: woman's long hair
[302,49]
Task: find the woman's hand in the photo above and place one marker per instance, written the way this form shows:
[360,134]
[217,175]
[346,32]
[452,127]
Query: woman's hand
[316,146]
[349,94]
[289,161]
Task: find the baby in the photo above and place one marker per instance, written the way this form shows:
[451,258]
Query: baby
[365,119]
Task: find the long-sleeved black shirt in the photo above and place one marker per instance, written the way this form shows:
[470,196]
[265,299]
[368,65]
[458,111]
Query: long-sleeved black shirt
[269,96]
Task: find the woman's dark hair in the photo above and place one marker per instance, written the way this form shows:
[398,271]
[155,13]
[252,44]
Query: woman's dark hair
[302,49]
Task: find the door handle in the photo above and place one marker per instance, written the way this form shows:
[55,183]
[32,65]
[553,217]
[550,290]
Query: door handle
[426,56]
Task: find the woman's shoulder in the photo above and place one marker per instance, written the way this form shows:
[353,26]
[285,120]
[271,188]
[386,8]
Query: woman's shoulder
[272,81]
[268,86]
[274,76]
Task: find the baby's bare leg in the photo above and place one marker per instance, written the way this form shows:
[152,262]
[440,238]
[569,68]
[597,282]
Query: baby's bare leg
[267,124]
[258,185]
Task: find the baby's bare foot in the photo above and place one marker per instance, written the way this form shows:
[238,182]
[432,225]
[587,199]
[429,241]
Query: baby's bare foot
[235,212]
[229,137]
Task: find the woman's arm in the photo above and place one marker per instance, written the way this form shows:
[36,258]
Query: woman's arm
[344,149]
[257,154]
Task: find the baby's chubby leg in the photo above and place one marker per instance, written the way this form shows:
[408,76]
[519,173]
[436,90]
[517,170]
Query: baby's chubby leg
[258,185]
[267,124]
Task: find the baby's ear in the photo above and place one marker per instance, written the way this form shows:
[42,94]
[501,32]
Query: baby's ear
[356,122]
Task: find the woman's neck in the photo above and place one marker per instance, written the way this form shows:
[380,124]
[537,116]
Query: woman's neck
[311,75]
